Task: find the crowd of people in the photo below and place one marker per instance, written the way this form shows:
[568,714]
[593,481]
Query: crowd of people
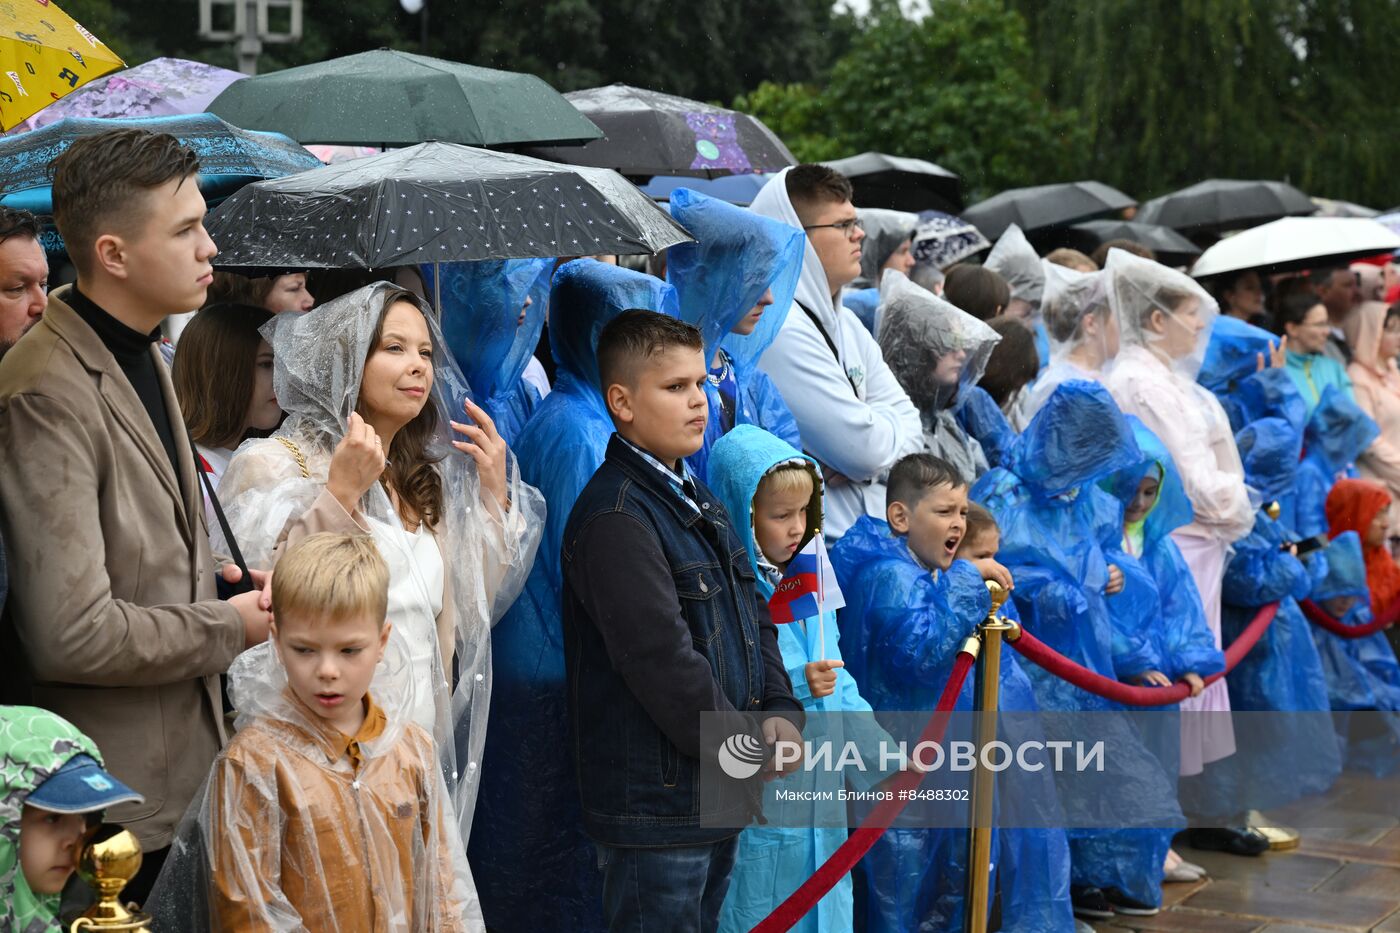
[365,614]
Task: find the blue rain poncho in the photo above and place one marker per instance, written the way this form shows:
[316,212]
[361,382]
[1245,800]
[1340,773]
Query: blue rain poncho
[864,302]
[1180,634]
[1337,432]
[481,305]
[1278,759]
[1362,673]
[773,861]
[1058,530]
[738,255]
[531,859]
[1232,356]
[984,421]
[903,627]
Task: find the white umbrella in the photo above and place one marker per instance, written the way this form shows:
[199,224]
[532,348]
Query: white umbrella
[1296,242]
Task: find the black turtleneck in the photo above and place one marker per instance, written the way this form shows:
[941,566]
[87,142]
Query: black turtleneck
[132,350]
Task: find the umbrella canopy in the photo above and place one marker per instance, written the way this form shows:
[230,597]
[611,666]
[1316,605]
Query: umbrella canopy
[1329,207]
[44,55]
[1296,243]
[1171,248]
[388,98]
[1220,204]
[736,189]
[228,157]
[899,183]
[1045,206]
[647,133]
[944,240]
[162,87]
[436,202]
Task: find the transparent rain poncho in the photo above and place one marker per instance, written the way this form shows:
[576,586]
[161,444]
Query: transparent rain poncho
[1082,331]
[935,350]
[737,257]
[448,585]
[298,828]
[884,230]
[1015,260]
[481,306]
[531,857]
[1164,320]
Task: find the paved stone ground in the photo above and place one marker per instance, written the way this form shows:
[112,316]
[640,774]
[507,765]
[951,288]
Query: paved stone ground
[1344,877]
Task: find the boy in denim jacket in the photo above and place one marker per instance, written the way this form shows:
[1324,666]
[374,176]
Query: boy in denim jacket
[662,623]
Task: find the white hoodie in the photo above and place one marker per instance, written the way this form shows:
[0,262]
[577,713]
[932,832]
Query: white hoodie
[861,433]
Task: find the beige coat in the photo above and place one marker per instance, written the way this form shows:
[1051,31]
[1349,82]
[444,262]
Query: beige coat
[112,584]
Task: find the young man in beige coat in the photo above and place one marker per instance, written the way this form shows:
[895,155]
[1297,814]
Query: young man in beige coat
[112,620]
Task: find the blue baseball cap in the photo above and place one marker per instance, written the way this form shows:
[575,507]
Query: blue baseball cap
[80,786]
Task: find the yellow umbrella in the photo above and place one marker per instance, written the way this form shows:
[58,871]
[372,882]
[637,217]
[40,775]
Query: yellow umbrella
[43,56]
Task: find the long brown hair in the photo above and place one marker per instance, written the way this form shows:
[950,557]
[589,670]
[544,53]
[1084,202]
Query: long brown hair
[213,371]
[411,471]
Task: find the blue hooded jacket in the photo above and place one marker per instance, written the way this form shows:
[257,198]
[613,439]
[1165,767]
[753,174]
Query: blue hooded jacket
[1232,356]
[481,303]
[738,255]
[1283,757]
[903,627]
[983,419]
[1177,627]
[774,860]
[1338,432]
[532,862]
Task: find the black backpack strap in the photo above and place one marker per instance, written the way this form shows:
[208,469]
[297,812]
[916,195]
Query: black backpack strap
[821,329]
[245,583]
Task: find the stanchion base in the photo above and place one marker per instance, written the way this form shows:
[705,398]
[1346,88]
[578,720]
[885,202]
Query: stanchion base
[1281,838]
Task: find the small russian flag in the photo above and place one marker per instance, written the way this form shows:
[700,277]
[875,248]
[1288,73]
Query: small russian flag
[808,587]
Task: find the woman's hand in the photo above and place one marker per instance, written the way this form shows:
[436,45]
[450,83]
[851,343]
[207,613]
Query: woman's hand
[1194,679]
[357,463]
[488,450]
[1115,581]
[1278,358]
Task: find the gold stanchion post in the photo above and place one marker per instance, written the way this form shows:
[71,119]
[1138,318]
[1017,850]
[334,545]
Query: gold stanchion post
[988,682]
[109,860]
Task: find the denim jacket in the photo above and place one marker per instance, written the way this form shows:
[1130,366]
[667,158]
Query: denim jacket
[661,623]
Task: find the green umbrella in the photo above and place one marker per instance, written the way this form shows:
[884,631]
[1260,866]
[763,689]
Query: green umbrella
[388,98]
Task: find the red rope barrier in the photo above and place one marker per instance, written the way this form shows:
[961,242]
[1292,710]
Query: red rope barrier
[879,819]
[1062,667]
[1325,620]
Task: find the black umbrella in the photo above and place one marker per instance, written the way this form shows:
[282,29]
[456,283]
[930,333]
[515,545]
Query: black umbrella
[900,184]
[1044,206]
[1171,248]
[1220,204]
[389,98]
[647,133]
[436,202]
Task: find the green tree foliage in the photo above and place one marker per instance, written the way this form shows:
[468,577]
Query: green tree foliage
[1173,91]
[955,87]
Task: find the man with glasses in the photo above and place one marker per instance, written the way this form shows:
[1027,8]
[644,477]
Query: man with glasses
[854,417]
[24,276]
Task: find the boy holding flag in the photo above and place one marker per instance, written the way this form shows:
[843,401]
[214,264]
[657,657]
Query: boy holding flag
[774,496]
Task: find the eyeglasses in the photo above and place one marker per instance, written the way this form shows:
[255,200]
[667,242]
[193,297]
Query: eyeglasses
[846,227]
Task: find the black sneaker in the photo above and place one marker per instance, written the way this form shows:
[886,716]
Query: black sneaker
[1090,903]
[1123,904]
[1236,841]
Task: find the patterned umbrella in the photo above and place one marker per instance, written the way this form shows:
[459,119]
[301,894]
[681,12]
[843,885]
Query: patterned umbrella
[436,202]
[228,156]
[646,133]
[944,240]
[162,87]
[44,55]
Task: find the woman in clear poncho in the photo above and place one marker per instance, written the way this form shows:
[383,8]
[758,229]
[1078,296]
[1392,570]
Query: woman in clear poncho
[1082,331]
[459,538]
[935,351]
[889,237]
[1015,260]
[296,830]
[1165,318]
